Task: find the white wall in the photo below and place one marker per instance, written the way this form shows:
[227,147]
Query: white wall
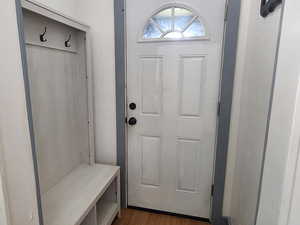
[280,198]
[14,132]
[3,210]
[67,7]
[293,217]
[3,193]
[99,15]
[254,72]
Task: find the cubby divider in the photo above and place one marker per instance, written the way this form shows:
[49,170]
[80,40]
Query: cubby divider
[108,206]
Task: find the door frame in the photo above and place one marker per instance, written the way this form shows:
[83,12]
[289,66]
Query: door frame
[225,99]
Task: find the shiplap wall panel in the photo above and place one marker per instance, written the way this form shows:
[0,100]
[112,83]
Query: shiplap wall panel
[58,89]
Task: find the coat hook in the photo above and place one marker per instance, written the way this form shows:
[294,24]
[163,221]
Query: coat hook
[42,36]
[268,6]
[67,42]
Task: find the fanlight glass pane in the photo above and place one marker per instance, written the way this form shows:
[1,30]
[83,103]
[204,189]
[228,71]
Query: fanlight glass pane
[173,35]
[174,23]
[151,31]
[196,29]
[182,18]
[164,19]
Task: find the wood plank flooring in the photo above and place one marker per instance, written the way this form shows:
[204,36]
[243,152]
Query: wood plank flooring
[139,217]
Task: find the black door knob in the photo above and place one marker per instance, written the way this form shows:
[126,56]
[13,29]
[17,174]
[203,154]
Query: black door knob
[132,106]
[132,121]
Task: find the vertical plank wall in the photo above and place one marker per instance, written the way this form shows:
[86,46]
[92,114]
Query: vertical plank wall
[58,89]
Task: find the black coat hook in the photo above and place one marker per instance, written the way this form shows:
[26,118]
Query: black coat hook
[42,36]
[268,6]
[67,42]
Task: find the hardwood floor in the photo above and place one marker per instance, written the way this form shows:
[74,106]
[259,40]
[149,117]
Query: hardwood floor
[139,217]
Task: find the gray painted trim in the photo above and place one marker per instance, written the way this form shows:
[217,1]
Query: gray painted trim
[28,104]
[120,62]
[227,84]
[229,59]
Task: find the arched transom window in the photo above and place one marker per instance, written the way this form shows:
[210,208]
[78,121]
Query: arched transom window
[174,23]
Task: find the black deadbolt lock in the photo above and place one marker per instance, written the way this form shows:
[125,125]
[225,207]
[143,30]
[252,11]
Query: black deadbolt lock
[132,121]
[132,106]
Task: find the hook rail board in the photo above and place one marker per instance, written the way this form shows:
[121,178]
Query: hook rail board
[74,190]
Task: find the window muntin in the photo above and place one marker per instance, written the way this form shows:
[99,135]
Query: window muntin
[151,31]
[164,19]
[196,29]
[174,23]
[182,18]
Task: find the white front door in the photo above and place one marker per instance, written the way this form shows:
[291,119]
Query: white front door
[173,75]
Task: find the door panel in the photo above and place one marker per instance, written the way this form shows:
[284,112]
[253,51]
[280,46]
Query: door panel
[175,85]
[192,72]
[151,84]
[151,149]
[187,163]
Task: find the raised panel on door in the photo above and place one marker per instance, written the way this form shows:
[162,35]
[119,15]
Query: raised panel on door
[151,84]
[151,161]
[187,165]
[191,81]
